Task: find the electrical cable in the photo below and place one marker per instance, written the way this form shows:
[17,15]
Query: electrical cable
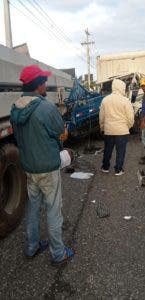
[42,25]
[59,31]
[53,24]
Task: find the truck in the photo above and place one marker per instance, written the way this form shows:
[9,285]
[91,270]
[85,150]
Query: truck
[120,64]
[13,191]
[82,110]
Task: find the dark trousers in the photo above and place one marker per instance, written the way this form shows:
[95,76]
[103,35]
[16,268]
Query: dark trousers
[120,143]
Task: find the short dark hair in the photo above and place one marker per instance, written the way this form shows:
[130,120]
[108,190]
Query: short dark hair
[32,86]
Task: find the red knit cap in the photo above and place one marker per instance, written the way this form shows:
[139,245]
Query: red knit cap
[31,72]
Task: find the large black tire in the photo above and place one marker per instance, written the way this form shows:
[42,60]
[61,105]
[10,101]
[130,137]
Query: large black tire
[12,189]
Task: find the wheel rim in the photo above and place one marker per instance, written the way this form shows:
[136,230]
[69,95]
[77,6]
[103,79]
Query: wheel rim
[10,189]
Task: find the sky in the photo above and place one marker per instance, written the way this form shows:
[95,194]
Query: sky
[54,29]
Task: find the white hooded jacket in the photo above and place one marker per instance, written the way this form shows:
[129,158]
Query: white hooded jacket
[116,112]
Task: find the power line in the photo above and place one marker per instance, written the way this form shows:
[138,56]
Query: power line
[52,23]
[36,20]
[44,26]
[48,19]
[25,15]
[30,19]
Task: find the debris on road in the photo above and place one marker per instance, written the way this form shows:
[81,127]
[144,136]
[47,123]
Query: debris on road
[102,210]
[140,227]
[127,218]
[69,170]
[99,151]
[89,149]
[141,177]
[81,175]
[93,149]
[93,201]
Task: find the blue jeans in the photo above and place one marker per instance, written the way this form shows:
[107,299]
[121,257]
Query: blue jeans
[120,143]
[44,189]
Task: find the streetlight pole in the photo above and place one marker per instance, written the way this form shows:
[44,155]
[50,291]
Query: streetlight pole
[7,20]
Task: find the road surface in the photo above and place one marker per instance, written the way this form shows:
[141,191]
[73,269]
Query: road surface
[110,252]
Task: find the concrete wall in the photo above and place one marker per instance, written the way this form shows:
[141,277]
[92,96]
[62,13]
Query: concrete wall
[12,62]
[6,101]
[8,98]
[124,63]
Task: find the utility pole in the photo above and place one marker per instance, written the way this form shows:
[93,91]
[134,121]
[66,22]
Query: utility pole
[87,43]
[98,68]
[8,31]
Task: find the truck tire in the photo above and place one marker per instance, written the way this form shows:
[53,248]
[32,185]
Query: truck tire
[12,189]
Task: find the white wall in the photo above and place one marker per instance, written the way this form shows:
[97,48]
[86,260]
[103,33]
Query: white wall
[109,66]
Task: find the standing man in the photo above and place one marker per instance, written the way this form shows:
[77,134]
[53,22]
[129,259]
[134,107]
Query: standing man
[37,128]
[116,118]
[142,121]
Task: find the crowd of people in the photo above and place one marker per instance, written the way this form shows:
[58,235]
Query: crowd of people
[39,131]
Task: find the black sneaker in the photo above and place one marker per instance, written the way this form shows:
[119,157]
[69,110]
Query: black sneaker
[104,170]
[142,161]
[119,173]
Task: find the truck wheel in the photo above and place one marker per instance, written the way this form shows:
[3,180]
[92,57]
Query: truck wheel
[12,189]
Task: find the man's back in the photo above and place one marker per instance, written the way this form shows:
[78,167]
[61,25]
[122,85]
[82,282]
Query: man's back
[37,127]
[116,112]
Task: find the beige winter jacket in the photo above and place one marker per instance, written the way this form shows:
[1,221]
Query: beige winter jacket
[116,113]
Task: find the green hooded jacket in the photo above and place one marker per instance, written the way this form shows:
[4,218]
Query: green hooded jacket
[37,127]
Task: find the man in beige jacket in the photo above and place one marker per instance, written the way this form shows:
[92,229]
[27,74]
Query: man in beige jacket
[116,118]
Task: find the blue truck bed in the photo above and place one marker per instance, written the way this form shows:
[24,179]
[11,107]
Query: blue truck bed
[82,108]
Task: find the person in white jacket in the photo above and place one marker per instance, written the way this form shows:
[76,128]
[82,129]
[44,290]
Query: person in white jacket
[116,118]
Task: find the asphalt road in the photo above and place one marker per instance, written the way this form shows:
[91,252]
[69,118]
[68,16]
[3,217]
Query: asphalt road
[110,252]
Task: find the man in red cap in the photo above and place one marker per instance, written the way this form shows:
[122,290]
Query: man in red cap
[37,128]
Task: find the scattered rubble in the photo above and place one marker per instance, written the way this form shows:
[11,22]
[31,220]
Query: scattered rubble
[127,218]
[102,210]
[81,175]
[141,177]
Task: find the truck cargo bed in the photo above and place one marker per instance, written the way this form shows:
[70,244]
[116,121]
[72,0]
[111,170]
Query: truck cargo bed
[6,101]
